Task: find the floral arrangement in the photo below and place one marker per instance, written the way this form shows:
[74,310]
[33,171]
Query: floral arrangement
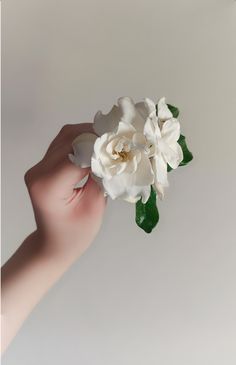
[134,148]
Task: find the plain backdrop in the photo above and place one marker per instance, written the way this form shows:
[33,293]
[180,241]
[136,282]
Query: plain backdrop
[132,299]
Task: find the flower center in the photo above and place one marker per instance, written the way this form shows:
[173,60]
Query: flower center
[123,155]
[121,150]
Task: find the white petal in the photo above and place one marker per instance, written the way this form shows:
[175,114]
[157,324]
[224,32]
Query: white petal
[111,145]
[82,182]
[172,154]
[72,158]
[163,111]
[100,149]
[146,191]
[104,123]
[152,130]
[134,194]
[83,149]
[144,174]
[120,144]
[98,181]
[121,186]
[114,170]
[159,190]
[96,167]
[171,131]
[134,113]
[125,129]
[122,167]
[139,140]
[100,143]
[117,185]
[142,109]
[160,170]
[127,107]
[130,199]
[151,106]
[142,113]
[130,166]
[125,111]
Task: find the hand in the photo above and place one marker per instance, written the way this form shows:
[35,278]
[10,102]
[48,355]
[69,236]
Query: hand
[67,219]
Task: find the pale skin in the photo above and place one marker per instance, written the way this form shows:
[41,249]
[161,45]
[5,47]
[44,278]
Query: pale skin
[67,220]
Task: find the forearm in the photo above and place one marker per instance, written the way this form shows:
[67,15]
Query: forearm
[26,277]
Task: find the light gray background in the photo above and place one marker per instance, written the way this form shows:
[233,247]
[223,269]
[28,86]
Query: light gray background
[132,299]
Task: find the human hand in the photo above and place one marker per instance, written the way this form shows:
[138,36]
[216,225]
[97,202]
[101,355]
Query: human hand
[68,219]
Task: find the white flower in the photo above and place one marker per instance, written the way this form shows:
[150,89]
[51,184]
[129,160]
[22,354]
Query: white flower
[163,132]
[135,145]
[119,156]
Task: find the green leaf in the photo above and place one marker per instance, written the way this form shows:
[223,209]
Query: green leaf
[174,110]
[187,154]
[147,215]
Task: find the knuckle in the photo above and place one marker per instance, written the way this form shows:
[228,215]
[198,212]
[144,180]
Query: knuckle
[66,128]
[31,175]
[27,176]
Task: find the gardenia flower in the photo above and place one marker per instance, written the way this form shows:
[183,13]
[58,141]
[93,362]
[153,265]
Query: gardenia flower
[162,131]
[120,155]
[136,143]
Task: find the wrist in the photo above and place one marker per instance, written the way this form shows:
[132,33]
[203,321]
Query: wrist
[59,247]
